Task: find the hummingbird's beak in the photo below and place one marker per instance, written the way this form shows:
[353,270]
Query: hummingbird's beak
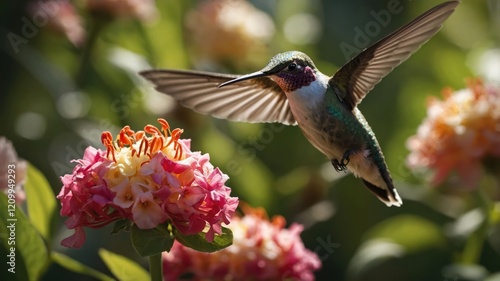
[243,77]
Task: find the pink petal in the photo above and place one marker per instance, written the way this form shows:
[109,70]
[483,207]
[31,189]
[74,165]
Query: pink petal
[146,212]
[76,240]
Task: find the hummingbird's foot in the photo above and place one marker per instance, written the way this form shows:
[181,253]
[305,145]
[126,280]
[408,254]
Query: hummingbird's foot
[337,166]
[342,165]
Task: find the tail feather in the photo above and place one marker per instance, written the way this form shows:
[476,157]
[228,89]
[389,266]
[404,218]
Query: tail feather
[388,195]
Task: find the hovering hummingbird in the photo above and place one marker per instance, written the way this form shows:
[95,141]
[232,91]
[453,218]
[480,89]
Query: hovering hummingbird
[291,90]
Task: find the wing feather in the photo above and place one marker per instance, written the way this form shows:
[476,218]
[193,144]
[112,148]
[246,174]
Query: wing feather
[255,100]
[358,77]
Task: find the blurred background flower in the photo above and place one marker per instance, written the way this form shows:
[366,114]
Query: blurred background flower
[262,249]
[17,173]
[144,10]
[61,17]
[228,32]
[459,134]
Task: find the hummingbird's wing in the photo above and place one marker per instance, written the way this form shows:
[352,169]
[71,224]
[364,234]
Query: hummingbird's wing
[358,77]
[254,100]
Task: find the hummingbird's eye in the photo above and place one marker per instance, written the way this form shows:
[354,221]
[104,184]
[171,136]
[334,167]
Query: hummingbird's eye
[292,66]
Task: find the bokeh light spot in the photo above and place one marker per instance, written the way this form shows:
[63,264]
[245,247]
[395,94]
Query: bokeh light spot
[30,125]
[73,105]
[302,29]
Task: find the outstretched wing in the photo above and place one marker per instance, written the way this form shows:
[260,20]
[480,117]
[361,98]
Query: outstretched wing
[358,77]
[255,100]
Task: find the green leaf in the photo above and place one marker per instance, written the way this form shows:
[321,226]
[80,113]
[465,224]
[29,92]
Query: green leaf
[75,266]
[148,242]
[398,237]
[41,203]
[198,241]
[494,277]
[22,240]
[120,225]
[123,268]
[465,272]
[372,254]
[414,233]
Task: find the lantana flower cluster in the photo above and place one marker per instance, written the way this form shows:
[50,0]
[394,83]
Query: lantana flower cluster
[459,133]
[228,30]
[63,17]
[262,249]
[148,177]
[144,10]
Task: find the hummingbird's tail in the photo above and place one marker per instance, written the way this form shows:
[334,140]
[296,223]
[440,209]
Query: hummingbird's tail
[369,165]
[387,193]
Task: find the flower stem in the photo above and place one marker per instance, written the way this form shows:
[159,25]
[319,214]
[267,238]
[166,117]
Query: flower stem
[155,267]
[146,42]
[97,26]
[475,243]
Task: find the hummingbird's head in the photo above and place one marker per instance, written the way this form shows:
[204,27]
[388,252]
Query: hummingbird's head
[290,70]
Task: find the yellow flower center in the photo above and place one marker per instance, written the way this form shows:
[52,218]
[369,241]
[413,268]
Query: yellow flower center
[130,151]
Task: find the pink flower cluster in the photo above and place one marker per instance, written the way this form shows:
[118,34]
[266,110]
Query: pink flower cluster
[459,133]
[141,9]
[61,17]
[148,180]
[228,30]
[261,250]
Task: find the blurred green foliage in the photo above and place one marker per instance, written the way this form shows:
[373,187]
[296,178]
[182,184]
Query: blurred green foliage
[269,165]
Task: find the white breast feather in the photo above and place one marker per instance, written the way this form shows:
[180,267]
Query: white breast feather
[306,98]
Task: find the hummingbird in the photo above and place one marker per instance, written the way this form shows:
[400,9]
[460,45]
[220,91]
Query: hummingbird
[292,91]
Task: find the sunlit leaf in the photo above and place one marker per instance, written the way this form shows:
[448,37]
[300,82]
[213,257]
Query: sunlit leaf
[21,241]
[41,203]
[372,253]
[395,238]
[412,232]
[465,272]
[494,277]
[466,224]
[123,268]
